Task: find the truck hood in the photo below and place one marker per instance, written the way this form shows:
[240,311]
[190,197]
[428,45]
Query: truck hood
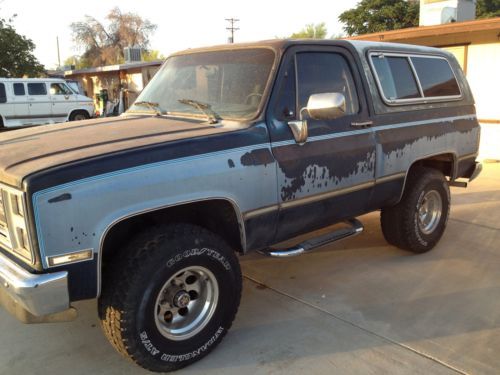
[26,151]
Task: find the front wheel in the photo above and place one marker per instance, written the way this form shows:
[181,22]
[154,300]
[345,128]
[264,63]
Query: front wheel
[79,116]
[418,221]
[171,298]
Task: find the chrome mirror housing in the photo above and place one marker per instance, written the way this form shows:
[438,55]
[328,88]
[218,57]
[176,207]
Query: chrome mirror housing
[327,106]
[299,130]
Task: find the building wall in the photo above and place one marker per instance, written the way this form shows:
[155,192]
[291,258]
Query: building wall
[133,80]
[481,64]
[483,74]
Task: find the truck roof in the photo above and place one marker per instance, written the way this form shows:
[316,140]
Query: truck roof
[31,79]
[282,44]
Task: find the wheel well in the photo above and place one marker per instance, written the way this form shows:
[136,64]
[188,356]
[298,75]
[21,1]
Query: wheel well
[444,163]
[218,216]
[76,111]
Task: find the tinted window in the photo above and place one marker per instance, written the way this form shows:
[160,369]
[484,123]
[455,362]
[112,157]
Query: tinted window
[436,76]
[37,89]
[396,77]
[320,72]
[3,97]
[19,89]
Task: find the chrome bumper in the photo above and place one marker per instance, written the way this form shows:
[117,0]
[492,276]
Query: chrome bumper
[34,298]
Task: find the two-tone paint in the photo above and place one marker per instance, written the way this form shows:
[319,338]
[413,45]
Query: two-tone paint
[102,173]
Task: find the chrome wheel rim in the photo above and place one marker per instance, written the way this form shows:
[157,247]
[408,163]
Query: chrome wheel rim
[80,117]
[429,211]
[186,303]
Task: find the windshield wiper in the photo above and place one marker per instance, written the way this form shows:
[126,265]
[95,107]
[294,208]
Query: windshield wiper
[213,118]
[155,107]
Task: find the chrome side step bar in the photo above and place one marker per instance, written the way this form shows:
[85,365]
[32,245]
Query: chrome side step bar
[355,228]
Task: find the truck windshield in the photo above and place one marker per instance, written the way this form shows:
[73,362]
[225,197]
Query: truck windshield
[230,84]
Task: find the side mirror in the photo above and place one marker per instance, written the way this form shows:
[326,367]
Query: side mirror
[327,106]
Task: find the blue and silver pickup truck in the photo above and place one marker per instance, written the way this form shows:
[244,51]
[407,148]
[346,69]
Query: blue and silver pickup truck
[228,150]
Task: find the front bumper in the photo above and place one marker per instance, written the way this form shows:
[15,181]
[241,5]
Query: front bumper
[34,298]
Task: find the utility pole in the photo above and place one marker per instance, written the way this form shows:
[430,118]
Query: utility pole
[231,28]
[58,54]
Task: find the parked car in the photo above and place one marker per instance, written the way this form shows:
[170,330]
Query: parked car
[35,101]
[228,150]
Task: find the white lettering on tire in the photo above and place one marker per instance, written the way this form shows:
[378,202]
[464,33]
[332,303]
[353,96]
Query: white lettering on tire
[195,251]
[179,357]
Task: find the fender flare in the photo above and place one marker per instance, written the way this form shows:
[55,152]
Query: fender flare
[236,208]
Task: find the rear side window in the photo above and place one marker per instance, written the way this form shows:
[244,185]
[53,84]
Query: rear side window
[436,77]
[405,79]
[37,89]
[396,77]
[3,96]
[19,89]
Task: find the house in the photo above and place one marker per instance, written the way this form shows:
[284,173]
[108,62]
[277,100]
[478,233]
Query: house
[130,76]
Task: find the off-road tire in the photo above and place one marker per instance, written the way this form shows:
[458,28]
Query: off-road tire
[400,223]
[79,116]
[130,289]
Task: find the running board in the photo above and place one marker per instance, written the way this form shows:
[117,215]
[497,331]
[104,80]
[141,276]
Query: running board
[355,228]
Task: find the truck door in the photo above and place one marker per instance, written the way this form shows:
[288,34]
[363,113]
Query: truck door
[20,103]
[63,100]
[6,107]
[331,175]
[40,105]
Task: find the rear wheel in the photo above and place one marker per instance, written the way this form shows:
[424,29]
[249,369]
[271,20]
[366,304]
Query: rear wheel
[171,297]
[79,116]
[418,221]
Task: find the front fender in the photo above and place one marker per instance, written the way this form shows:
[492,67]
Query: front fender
[76,216]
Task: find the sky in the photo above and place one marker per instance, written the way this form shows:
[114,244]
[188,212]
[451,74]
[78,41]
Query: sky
[181,24]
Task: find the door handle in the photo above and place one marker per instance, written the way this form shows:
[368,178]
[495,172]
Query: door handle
[363,124]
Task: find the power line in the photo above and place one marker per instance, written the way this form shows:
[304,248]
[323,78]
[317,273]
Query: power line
[231,28]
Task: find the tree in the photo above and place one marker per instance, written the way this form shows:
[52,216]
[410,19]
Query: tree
[315,31]
[371,16]
[17,59]
[152,55]
[487,8]
[104,46]
[76,61]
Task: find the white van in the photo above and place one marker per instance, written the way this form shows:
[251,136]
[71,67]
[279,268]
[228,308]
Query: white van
[35,101]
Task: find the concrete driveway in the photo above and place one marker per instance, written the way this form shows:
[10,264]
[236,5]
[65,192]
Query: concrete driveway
[356,307]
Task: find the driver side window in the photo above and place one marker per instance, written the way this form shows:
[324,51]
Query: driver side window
[59,89]
[325,72]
